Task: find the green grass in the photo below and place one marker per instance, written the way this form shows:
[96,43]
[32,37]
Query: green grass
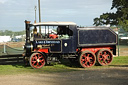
[20,69]
[121,60]
[57,68]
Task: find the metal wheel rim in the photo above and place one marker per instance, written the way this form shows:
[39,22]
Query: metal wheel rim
[87,59]
[37,60]
[105,57]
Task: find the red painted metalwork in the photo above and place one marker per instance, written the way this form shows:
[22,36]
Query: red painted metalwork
[104,57]
[87,59]
[53,36]
[45,50]
[95,49]
[37,60]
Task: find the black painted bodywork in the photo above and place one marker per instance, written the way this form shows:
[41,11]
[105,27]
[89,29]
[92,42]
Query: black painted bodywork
[59,45]
[54,46]
[96,37]
[71,42]
[82,37]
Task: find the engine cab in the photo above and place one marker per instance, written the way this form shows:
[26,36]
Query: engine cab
[54,37]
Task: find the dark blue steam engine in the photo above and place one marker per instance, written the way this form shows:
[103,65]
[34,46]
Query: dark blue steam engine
[63,39]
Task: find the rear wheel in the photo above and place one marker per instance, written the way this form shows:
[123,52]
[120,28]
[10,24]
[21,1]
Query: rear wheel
[37,60]
[87,59]
[104,57]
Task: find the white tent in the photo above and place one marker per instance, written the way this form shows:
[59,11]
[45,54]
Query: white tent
[5,38]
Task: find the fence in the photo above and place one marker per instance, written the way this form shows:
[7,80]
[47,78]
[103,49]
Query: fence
[10,55]
[123,41]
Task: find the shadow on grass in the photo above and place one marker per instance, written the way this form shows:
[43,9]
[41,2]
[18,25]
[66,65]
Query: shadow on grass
[68,63]
[119,65]
[21,65]
[64,62]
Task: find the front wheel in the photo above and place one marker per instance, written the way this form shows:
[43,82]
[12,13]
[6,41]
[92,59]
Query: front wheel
[87,59]
[37,60]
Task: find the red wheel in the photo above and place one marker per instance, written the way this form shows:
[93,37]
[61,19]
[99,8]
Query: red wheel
[87,59]
[104,57]
[37,60]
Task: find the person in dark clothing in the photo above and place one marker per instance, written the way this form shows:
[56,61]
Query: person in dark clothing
[35,34]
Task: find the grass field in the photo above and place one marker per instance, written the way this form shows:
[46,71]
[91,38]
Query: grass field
[121,60]
[20,69]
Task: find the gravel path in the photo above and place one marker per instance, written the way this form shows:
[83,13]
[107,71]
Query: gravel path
[107,76]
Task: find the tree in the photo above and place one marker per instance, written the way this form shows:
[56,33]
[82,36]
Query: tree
[119,18]
[10,33]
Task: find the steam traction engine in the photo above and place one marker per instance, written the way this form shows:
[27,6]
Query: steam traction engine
[64,39]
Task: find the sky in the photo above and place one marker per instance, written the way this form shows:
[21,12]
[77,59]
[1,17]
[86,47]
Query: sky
[13,13]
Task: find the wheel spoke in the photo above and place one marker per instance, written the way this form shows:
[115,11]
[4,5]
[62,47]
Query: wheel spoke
[90,58]
[100,59]
[91,62]
[84,56]
[41,61]
[85,63]
[104,61]
[39,57]
[100,54]
[88,55]
[33,62]
[105,52]
[38,64]
[108,59]
[82,59]
[107,56]
[35,57]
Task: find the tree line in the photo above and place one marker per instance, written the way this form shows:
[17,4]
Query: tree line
[11,33]
[119,18]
